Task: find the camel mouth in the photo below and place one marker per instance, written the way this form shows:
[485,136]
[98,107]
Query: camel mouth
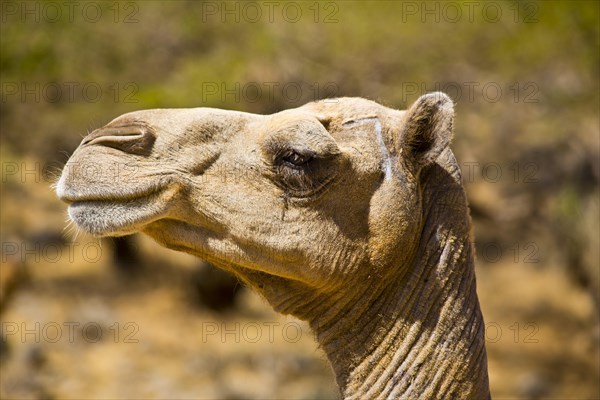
[77,197]
[118,216]
[72,188]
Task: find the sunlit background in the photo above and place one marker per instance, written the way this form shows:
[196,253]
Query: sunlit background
[88,318]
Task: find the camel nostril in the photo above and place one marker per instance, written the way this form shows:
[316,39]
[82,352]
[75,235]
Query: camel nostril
[134,139]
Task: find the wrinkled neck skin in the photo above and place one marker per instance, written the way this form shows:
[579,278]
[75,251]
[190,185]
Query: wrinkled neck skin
[419,335]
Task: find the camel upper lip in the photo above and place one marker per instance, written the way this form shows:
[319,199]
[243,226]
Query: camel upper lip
[71,197]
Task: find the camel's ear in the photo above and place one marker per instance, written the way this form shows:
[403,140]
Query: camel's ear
[427,129]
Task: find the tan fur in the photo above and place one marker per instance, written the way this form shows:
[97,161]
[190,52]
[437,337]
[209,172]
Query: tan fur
[366,237]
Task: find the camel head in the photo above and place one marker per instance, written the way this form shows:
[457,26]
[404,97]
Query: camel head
[342,212]
[320,196]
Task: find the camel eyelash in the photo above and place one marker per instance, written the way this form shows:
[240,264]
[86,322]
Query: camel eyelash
[295,159]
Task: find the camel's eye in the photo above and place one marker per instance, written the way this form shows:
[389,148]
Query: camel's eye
[302,172]
[301,166]
[294,159]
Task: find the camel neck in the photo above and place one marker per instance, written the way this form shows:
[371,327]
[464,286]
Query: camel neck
[420,335]
[422,338]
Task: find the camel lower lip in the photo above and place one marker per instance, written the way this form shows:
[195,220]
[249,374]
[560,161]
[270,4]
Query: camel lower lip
[114,217]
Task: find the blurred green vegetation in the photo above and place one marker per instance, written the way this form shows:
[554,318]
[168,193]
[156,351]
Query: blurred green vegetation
[170,51]
[541,131]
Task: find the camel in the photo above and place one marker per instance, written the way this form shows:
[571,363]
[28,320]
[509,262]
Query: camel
[342,212]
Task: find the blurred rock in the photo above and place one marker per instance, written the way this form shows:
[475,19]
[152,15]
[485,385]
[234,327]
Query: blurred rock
[42,239]
[126,255]
[214,287]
